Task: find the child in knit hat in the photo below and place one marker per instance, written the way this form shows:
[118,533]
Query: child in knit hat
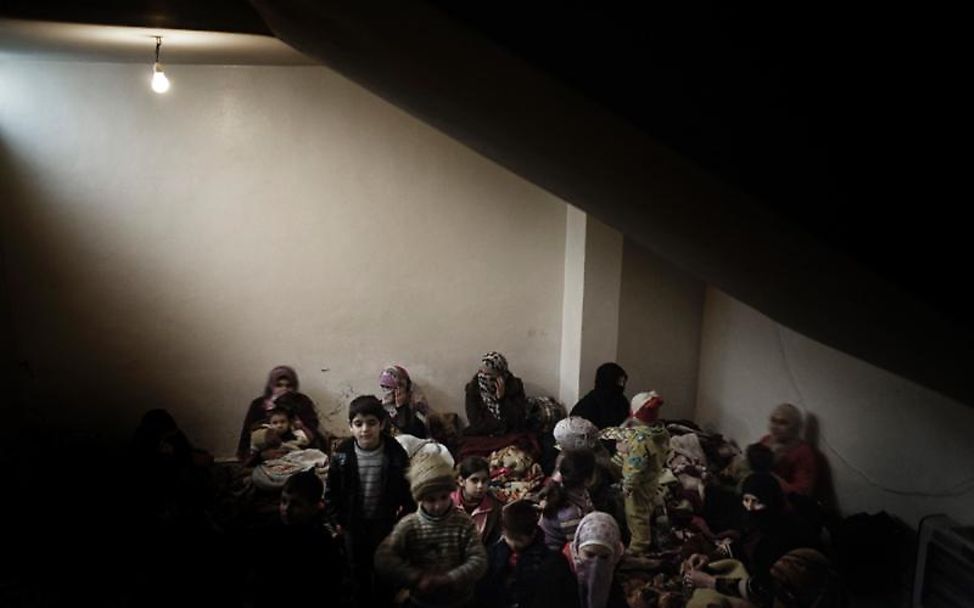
[644,446]
[567,501]
[435,552]
[579,434]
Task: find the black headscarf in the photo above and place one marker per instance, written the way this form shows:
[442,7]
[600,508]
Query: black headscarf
[605,405]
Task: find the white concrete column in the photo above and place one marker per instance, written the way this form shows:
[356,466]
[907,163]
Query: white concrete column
[590,308]
[571,316]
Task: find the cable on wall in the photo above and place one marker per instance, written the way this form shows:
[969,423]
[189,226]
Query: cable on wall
[958,489]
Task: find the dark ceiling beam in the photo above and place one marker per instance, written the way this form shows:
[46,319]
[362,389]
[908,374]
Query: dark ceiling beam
[236,16]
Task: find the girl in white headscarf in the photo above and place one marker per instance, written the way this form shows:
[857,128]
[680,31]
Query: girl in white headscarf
[582,575]
[596,550]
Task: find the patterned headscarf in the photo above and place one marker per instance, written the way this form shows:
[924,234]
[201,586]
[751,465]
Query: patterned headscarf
[595,574]
[494,361]
[492,366]
[391,378]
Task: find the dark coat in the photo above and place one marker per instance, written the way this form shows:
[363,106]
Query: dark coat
[503,587]
[343,492]
[315,568]
[513,409]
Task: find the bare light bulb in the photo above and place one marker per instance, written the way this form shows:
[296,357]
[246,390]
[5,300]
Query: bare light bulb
[160,84]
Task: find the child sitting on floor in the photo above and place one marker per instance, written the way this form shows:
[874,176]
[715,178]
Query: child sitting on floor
[578,434]
[436,551]
[568,501]
[474,497]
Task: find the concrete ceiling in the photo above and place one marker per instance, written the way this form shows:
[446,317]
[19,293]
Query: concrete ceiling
[58,41]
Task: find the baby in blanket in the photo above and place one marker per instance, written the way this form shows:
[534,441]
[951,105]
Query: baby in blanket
[276,437]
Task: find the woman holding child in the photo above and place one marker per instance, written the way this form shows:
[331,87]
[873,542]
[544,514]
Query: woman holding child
[281,389]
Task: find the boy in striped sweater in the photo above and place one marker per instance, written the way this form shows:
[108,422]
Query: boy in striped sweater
[367,492]
[435,552]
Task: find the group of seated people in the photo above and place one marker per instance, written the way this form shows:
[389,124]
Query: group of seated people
[608,525]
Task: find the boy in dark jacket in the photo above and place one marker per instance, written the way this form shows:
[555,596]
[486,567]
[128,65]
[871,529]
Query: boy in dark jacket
[367,491]
[305,544]
[514,561]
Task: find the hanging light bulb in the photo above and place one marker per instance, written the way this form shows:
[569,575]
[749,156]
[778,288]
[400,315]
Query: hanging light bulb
[160,84]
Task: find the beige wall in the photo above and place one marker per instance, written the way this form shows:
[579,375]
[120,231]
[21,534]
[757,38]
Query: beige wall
[600,309]
[168,250]
[660,312]
[891,444]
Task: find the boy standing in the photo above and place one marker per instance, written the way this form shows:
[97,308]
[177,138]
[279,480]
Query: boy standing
[435,552]
[643,444]
[312,554]
[367,491]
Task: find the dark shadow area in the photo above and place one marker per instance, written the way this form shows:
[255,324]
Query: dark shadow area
[824,485]
[82,521]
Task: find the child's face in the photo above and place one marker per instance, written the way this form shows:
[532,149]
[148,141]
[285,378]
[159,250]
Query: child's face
[367,431]
[475,486]
[297,510]
[517,542]
[437,503]
[280,423]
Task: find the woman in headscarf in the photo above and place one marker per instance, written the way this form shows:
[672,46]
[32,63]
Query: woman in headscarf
[404,402]
[583,575]
[770,533]
[795,462]
[495,400]
[281,389]
[605,405]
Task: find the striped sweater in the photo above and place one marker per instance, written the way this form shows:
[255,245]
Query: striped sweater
[421,544]
[560,530]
